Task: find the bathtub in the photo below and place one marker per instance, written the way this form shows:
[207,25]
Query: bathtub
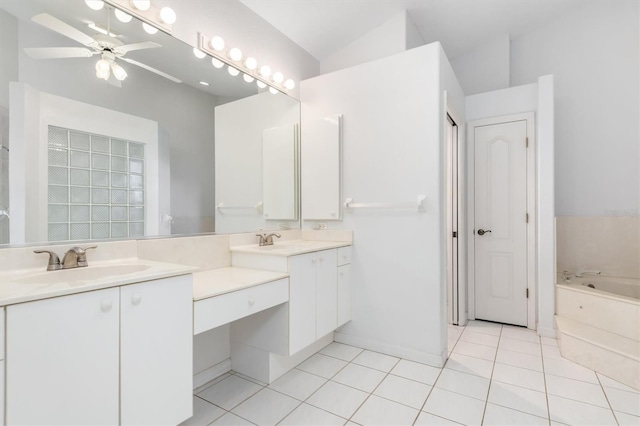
[611,304]
[598,324]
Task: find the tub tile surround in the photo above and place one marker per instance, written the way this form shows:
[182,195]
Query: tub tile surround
[389,390]
[608,244]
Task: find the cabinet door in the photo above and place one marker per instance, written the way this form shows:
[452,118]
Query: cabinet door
[302,301]
[326,292]
[344,294]
[156,373]
[62,360]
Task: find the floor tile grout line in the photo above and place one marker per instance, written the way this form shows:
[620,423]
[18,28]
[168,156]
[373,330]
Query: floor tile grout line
[486,401]
[544,380]
[607,398]
[374,389]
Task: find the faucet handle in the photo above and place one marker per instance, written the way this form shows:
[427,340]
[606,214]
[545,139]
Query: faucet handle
[263,238]
[82,254]
[54,260]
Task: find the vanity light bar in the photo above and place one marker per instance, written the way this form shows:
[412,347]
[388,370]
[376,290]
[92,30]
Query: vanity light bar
[222,56]
[151,16]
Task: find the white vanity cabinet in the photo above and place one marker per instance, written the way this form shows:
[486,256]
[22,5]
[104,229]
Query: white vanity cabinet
[113,356]
[313,288]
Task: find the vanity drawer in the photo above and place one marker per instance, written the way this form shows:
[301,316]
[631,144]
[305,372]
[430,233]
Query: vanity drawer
[219,310]
[344,255]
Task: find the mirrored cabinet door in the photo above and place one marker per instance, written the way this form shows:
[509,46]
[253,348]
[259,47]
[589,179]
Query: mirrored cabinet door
[321,169]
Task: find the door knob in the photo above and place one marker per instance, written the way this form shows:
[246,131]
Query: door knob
[482,231]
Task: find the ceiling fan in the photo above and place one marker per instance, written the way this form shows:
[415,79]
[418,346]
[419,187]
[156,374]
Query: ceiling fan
[109,48]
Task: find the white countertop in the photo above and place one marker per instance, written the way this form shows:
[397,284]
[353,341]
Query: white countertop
[33,284]
[290,247]
[215,282]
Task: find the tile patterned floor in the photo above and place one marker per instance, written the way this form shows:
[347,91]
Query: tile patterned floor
[496,375]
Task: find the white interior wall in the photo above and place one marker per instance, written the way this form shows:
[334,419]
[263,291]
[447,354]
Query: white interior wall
[593,55]
[484,68]
[238,157]
[392,152]
[395,35]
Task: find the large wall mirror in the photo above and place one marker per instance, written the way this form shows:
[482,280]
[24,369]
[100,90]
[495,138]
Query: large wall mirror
[177,146]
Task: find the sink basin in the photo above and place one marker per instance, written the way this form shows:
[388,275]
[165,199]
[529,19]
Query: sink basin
[81,274]
[286,246]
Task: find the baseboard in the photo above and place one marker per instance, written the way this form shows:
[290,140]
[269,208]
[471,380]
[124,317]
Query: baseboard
[395,350]
[211,373]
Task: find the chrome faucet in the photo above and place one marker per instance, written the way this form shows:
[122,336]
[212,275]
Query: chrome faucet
[266,240]
[579,274]
[75,257]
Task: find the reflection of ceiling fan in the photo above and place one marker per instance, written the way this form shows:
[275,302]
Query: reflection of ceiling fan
[109,48]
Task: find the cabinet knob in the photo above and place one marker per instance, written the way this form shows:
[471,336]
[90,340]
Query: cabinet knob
[314,260]
[342,274]
[106,305]
[251,301]
[136,299]
[322,259]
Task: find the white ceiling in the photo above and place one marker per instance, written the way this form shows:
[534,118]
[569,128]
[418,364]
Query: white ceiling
[323,27]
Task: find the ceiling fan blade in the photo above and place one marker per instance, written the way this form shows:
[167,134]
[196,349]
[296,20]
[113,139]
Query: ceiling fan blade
[54,24]
[153,70]
[137,46]
[58,52]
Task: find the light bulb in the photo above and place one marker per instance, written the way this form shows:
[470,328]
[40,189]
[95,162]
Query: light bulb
[122,17]
[167,16]
[289,84]
[233,71]
[265,70]
[251,63]
[260,84]
[278,77]
[118,72]
[141,4]
[235,54]
[102,65]
[217,63]
[95,4]
[102,69]
[204,83]
[217,43]
[149,29]
[199,53]
[248,78]
[273,91]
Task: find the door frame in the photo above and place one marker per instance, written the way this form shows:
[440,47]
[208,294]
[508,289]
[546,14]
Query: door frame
[532,284]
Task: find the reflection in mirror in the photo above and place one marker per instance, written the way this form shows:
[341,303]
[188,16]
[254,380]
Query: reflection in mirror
[88,184]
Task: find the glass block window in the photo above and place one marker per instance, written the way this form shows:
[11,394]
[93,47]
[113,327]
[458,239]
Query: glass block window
[96,186]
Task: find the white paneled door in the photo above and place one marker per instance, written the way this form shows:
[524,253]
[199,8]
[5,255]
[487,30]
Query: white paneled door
[500,235]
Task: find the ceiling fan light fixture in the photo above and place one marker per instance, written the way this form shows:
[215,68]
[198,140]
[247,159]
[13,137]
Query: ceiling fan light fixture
[141,4]
[149,29]
[122,17]
[118,72]
[95,4]
[102,66]
[167,16]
